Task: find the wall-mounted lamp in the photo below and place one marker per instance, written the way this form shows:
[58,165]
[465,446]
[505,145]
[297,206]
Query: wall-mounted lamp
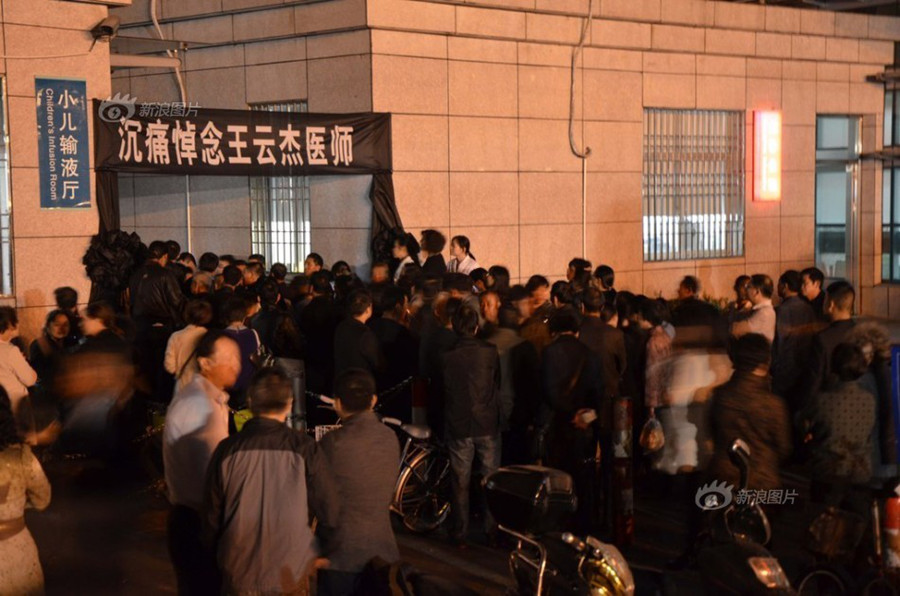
[767,156]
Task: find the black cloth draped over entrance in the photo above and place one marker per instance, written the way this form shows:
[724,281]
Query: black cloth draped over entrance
[176,139]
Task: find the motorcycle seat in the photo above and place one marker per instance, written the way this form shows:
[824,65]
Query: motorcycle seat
[417,431]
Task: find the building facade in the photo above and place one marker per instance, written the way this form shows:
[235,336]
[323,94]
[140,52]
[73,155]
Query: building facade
[665,93]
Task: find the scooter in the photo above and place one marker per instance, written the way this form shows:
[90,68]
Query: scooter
[529,503]
[732,558]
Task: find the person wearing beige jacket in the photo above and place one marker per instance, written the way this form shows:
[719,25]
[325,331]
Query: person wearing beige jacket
[181,360]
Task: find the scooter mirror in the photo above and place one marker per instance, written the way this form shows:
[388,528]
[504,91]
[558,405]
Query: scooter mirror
[739,447]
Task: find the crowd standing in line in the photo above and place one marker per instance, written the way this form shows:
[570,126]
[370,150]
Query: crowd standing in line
[505,374]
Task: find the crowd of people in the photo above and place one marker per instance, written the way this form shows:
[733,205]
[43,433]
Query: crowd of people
[504,373]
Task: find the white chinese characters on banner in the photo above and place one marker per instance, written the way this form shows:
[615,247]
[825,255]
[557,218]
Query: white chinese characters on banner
[156,142]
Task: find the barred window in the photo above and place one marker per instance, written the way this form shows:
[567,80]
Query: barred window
[279,207]
[693,184]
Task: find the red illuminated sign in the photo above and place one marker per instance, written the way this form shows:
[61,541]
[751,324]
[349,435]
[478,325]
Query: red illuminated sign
[767,156]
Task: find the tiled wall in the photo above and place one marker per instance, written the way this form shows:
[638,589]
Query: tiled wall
[47,245]
[254,57]
[480,96]
[479,92]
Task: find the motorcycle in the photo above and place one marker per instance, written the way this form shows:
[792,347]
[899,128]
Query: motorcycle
[732,558]
[529,503]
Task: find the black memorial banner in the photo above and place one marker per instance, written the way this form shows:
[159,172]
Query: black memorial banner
[200,141]
[192,141]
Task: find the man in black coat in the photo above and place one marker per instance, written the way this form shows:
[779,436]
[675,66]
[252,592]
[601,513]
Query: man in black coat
[839,300]
[471,374]
[432,245]
[317,321]
[691,311]
[156,307]
[573,400]
[811,289]
[794,327]
[355,345]
[399,349]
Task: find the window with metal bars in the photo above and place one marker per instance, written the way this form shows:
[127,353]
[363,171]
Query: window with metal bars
[693,184]
[279,208]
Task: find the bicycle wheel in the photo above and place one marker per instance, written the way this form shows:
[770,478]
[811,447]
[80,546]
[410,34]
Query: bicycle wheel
[423,495]
[879,586]
[822,582]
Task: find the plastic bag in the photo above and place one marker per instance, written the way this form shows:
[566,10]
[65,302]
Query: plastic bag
[652,436]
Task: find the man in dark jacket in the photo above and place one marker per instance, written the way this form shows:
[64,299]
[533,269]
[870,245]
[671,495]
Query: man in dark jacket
[811,288]
[691,311]
[399,349]
[362,455]
[317,321]
[839,308]
[156,307]
[471,374]
[261,485]
[744,408]
[573,400]
[355,345]
[794,323]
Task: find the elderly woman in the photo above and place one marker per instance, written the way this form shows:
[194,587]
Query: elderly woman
[24,486]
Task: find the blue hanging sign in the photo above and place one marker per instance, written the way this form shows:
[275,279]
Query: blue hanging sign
[63,146]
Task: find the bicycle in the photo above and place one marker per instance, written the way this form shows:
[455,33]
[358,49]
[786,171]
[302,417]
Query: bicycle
[422,493]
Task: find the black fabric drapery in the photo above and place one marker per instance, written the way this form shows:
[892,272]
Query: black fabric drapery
[187,141]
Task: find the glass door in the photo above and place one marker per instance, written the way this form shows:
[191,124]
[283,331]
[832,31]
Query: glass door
[837,197]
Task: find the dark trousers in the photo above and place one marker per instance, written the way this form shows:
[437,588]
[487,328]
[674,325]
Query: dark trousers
[151,349]
[573,451]
[195,566]
[336,583]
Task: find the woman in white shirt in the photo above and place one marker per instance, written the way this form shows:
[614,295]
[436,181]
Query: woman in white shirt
[406,250]
[463,261]
[16,375]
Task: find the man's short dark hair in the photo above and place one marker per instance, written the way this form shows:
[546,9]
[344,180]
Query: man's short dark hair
[763,284]
[390,297]
[232,275]
[186,256]
[814,274]
[358,302]
[206,347]
[459,282]
[8,318]
[842,295]
[691,284]
[209,262]
[848,362]
[607,312]
[580,265]
[229,259]
[791,280]
[158,249]
[341,269]
[465,321]
[355,388]
[279,272]
[66,297]
[316,258]
[258,258]
[479,274]
[321,284]
[518,292]
[535,282]
[751,351]
[268,292]
[198,312]
[433,241]
[606,275]
[256,268]
[592,300]
[270,391]
[651,310]
[235,310]
[565,320]
[562,291]
[173,249]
